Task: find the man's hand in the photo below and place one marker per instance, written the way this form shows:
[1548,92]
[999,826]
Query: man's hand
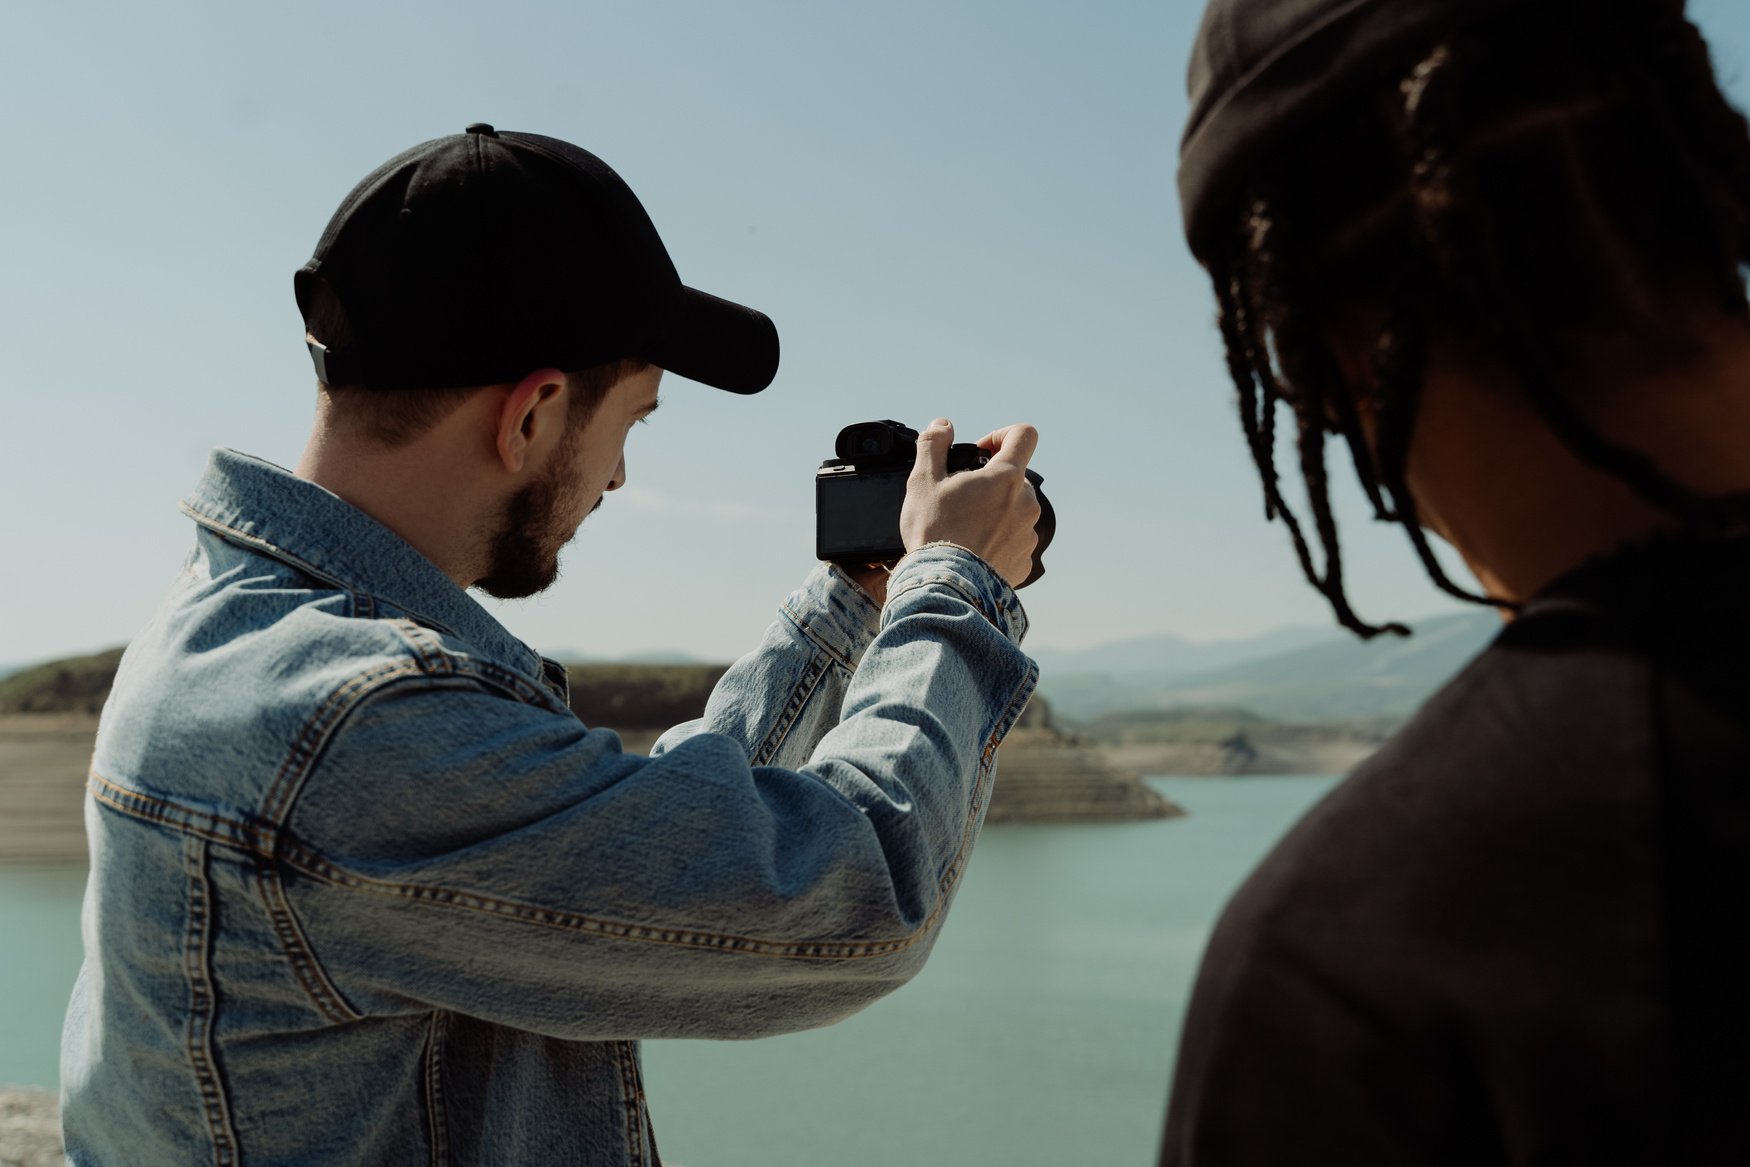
[989,511]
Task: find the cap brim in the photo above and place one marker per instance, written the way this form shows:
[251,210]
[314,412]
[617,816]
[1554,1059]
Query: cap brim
[717,343]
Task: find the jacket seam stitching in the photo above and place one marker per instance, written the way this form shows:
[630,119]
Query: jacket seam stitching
[799,696]
[970,595]
[436,1031]
[314,864]
[306,966]
[202,1003]
[306,969]
[629,1090]
[246,836]
[258,837]
[512,683]
[486,672]
[320,726]
[806,627]
[981,788]
[432,658]
[282,792]
[273,842]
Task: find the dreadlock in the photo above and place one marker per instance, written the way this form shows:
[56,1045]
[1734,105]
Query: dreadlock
[1541,178]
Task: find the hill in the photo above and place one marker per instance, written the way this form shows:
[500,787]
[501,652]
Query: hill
[76,685]
[635,696]
[625,696]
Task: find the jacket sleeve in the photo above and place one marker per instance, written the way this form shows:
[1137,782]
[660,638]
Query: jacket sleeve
[781,698]
[460,849]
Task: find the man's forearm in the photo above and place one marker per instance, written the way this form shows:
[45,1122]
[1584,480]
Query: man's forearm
[779,700]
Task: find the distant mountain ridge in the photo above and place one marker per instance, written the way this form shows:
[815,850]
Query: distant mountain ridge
[1303,675]
[1169,654]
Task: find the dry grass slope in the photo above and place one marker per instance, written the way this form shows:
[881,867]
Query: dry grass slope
[76,685]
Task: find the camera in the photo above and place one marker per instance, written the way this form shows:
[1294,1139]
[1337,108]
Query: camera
[858,494]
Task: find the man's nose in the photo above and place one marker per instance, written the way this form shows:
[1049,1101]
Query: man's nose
[619,478]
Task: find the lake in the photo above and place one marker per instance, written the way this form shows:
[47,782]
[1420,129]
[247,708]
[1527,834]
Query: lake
[1041,1032]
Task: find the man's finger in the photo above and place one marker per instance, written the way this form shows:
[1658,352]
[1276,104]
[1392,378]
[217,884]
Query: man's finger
[1013,444]
[933,443]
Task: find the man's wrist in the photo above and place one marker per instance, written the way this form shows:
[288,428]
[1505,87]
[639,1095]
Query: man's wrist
[871,578]
[969,574]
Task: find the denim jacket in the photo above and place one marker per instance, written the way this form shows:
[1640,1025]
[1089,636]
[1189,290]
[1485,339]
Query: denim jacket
[365,891]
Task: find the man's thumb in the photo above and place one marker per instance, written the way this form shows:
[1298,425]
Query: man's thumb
[933,443]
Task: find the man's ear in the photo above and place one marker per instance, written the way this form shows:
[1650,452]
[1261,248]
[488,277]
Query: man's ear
[531,420]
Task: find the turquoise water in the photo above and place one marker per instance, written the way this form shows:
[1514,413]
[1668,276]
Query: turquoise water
[39,956]
[1041,1031]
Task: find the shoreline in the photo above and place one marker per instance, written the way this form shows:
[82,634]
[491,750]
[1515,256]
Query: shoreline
[30,1127]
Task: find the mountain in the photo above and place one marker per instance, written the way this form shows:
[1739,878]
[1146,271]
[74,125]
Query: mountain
[1347,679]
[1334,677]
[1167,655]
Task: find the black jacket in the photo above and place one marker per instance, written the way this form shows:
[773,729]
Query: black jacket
[1518,934]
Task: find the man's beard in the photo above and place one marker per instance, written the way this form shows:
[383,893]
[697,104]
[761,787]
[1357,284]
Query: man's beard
[524,555]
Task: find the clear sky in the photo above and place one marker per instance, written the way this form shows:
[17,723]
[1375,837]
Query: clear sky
[949,208]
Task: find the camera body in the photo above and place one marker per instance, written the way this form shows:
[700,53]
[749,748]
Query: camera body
[858,494]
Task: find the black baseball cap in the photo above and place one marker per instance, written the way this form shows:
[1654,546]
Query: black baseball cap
[1261,70]
[480,257]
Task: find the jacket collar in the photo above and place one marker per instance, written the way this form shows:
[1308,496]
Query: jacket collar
[269,510]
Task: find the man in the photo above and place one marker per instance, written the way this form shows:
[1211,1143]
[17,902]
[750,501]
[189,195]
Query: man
[363,889]
[1495,246]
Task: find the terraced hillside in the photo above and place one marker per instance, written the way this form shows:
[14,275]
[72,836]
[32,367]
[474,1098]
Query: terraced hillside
[43,758]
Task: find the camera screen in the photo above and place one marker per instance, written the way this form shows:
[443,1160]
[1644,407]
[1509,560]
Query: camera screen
[856,516]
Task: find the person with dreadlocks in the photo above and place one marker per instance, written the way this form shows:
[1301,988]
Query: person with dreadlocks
[1497,248]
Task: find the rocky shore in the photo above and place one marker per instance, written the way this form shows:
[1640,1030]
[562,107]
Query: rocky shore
[30,1128]
[1213,759]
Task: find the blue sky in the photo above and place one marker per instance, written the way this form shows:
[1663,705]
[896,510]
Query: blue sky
[948,208]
